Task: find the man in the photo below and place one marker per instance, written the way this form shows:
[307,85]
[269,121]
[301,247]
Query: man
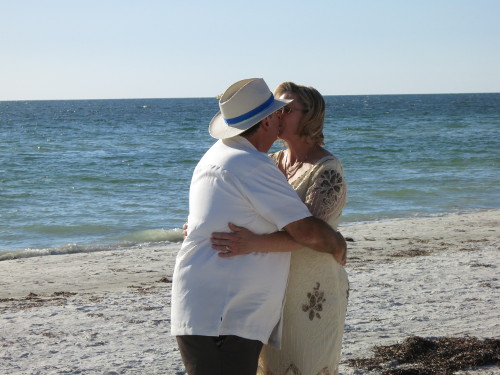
[225,309]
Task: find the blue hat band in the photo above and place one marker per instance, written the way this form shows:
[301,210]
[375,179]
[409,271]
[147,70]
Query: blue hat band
[253,112]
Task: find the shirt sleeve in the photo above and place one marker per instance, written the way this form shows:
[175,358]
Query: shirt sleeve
[272,197]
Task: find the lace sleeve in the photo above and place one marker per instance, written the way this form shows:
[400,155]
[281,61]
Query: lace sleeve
[327,194]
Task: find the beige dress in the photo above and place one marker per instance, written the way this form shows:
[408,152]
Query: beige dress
[316,297]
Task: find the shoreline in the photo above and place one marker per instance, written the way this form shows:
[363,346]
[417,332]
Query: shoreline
[174,236]
[81,313]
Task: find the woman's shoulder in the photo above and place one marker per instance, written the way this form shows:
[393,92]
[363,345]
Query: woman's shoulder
[326,168]
[277,156]
[329,161]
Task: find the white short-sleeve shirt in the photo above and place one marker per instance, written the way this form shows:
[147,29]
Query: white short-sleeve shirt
[242,296]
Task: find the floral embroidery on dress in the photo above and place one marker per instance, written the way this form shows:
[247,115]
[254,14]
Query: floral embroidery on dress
[315,305]
[331,182]
[326,193]
[292,370]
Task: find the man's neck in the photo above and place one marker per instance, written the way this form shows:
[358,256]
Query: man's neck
[259,142]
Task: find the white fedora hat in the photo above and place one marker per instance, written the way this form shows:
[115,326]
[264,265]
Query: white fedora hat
[243,105]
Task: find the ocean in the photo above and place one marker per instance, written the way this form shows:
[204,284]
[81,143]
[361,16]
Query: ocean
[92,175]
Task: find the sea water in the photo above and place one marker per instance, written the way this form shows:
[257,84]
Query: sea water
[91,175]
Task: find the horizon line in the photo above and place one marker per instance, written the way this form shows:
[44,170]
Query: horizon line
[214,97]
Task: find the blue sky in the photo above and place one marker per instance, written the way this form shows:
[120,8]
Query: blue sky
[89,49]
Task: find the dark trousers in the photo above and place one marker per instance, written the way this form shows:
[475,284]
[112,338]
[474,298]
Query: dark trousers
[223,355]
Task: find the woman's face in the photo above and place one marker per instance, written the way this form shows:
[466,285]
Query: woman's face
[291,117]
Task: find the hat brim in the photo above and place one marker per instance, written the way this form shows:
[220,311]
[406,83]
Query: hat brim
[220,130]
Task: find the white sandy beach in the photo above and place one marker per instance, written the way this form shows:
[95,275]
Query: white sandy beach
[108,312]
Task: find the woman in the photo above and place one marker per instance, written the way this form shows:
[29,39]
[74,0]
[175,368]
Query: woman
[316,299]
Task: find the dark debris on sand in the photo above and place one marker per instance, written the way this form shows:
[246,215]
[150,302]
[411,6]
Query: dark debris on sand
[33,300]
[435,356]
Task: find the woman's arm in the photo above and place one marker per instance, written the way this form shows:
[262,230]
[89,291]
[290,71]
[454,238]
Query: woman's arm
[326,196]
[311,232]
[243,241]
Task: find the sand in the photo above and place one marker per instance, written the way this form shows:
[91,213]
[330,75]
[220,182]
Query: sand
[108,312]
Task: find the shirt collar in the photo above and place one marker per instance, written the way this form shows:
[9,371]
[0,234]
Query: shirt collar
[240,141]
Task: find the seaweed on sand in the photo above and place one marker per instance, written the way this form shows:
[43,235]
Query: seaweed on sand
[432,356]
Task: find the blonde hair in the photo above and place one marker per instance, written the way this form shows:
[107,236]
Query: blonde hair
[311,126]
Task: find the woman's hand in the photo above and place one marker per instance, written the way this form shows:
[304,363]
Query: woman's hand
[238,242]
[185,230]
